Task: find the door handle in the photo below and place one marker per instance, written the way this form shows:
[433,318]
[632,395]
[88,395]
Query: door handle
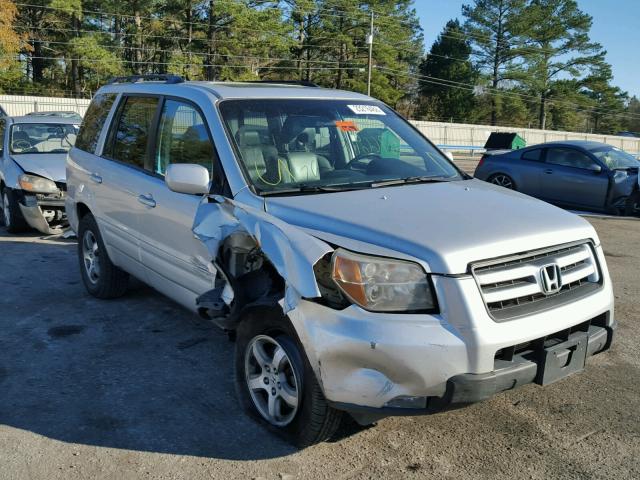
[548,171]
[147,200]
[95,178]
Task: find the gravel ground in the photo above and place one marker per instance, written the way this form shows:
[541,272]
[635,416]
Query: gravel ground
[140,388]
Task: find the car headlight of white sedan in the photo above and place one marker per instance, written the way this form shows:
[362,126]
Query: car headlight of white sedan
[36,184]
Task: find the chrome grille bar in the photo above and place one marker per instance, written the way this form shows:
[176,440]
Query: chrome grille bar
[514,286]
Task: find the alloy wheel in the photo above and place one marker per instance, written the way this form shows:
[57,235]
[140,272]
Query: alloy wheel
[503,181]
[91,256]
[272,380]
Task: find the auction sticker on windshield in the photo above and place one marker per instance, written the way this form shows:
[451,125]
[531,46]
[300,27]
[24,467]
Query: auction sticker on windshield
[366,110]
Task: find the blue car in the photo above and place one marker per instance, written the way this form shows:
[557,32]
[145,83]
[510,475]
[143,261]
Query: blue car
[574,174]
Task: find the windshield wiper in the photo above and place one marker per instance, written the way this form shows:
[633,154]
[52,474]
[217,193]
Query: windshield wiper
[311,189]
[406,180]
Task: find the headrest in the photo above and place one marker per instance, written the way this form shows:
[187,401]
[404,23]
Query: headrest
[294,125]
[248,138]
[20,135]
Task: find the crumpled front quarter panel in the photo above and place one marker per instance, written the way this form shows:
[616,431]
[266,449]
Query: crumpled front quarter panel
[292,252]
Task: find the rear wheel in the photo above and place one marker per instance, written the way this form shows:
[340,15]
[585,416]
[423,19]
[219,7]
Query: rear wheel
[503,180]
[12,217]
[276,384]
[101,278]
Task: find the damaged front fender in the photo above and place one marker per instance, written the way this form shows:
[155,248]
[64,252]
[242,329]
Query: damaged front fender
[292,252]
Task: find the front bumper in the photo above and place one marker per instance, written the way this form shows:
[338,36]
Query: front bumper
[45,213]
[401,363]
[542,363]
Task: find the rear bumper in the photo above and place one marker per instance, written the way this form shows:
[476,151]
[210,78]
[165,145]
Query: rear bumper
[543,363]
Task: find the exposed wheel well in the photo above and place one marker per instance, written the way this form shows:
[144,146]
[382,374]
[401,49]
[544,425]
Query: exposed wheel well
[82,210]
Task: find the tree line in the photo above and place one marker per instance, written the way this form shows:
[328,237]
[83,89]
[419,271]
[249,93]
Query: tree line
[516,62]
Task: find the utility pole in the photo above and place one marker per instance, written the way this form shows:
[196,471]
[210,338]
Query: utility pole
[370,43]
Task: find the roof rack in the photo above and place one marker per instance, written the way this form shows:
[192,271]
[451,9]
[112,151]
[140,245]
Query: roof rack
[302,83]
[154,77]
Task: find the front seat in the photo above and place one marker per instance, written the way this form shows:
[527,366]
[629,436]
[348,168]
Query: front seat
[251,151]
[303,166]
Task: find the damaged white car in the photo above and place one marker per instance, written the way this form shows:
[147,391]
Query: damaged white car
[32,171]
[357,268]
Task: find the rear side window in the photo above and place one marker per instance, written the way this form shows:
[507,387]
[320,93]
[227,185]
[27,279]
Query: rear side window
[130,138]
[533,155]
[93,122]
[182,138]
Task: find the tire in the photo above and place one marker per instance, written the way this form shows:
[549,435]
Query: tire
[502,180]
[632,207]
[101,278]
[11,215]
[313,420]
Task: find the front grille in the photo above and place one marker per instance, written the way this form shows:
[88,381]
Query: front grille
[513,286]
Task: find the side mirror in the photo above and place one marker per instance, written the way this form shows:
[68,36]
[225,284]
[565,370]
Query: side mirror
[187,178]
[449,155]
[595,168]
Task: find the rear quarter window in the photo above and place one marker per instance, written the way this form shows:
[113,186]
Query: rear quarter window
[93,122]
[532,155]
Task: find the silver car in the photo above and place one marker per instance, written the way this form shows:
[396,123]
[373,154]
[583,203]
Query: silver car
[32,171]
[357,269]
[575,174]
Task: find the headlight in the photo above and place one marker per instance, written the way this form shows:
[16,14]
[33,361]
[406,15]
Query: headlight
[382,285]
[36,184]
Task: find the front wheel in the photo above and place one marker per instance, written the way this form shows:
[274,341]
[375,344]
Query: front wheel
[276,384]
[503,180]
[632,207]
[11,215]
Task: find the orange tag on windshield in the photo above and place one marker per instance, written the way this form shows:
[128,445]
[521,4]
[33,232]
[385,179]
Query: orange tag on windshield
[347,126]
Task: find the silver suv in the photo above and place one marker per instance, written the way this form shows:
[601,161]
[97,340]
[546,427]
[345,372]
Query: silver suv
[356,267]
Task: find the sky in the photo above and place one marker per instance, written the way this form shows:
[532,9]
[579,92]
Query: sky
[616,26]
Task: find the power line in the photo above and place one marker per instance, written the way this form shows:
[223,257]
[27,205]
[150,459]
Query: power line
[197,54]
[154,63]
[163,37]
[531,98]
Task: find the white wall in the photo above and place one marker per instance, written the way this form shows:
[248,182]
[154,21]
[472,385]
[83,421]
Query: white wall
[466,135]
[15,105]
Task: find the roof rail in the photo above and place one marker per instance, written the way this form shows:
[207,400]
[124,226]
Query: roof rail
[154,77]
[302,83]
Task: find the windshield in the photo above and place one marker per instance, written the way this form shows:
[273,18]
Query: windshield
[329,145]
[615,158]
[42,137]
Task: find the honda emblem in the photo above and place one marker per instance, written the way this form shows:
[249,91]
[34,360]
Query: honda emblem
[551,278]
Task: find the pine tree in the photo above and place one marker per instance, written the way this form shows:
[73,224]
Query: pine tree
[557,44]
[494,28]
[449,59]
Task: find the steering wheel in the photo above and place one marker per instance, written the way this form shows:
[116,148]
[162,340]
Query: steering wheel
[20,145]
[358,163]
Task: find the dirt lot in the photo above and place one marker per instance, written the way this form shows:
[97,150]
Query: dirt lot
[139,388]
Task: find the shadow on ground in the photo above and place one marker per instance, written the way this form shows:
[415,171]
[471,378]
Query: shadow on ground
[138,373]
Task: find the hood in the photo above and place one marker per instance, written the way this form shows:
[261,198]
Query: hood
[47,165]
[447,225]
